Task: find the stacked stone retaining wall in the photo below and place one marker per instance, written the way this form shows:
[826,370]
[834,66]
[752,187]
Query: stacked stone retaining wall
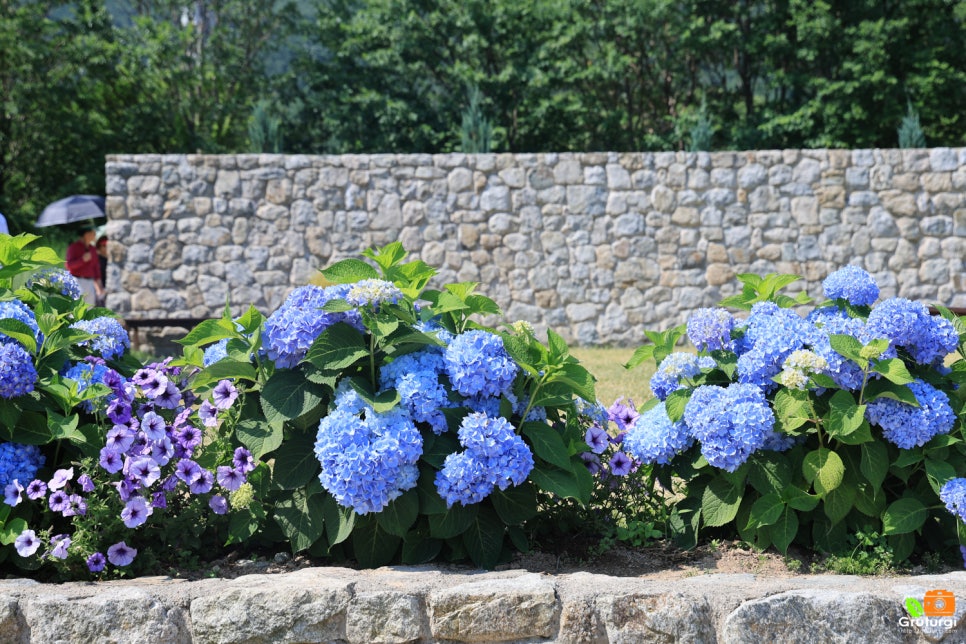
[597,246]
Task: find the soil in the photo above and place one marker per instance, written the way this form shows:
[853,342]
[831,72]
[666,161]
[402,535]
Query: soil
[661,562]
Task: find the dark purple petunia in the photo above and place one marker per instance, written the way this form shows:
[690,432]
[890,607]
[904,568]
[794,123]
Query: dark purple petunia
[96,562]
[620,464]
[243,460]
[230,478]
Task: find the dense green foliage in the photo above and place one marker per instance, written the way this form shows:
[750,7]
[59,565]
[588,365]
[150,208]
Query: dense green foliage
[84,79]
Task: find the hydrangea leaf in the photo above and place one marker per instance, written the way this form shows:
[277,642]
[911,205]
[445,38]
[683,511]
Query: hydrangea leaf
[676,402]
[295,462]
[515,504]
[206,332]
[770,472]
[401,513]
[288,395]
[799,499]
[824,469]
[909,457]
[766,510]
[783,531]
[484,539]
[838,502]
[259,436]
[938,472]
[902,545]
[895,370]
[372,546]
[300,516]
[348,271]
[720,502]
[791,408]
[904,515]
[641,355]
[578,378]
[848,347]
[453,522]
[11,530]
[338,347]
[225,369]
[31,429]
[564,484]
[874,462]
[20,332]
[339,521]
[419,548]
[845,416]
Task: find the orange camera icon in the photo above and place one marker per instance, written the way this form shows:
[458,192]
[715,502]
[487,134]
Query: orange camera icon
[939,603]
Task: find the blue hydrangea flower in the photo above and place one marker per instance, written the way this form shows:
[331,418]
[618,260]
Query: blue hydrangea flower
[845,373]
[953,494]
[19,462]
[907,426]
[57,280]
[653,438]
[294,326]
[87,373]
[17,310]
[373,293]
[495,456]
[731,423]
[368,459]
[710,329]
[907,324]
[215,352]
[674,369]
[852,284]
[478,365]
[111,341]
[771,335]
[595,412]
[17,372]
[416,377]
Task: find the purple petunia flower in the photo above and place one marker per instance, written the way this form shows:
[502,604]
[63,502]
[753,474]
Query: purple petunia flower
[187,470]
[144,471]
[153,426]
[224,394]
[169,398]
[596,438]
[218,504]
[60,479]
[202,483]
[136,511]
[620,464]
[60,545]
[623,414]
[111,460]
[121,554]
[243,460]
[36,490]
[96,562]
[230,478]
[27,543]
[189,437]
[58,501]
[208,414]
[76,506]
[159,500]
[87,485]
[12,493]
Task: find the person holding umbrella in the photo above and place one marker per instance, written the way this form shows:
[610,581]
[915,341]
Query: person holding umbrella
[83,263]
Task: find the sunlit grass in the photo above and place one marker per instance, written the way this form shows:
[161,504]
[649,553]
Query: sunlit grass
[613,380]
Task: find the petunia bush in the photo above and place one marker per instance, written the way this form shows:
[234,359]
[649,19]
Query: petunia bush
[790,422]
[389,424]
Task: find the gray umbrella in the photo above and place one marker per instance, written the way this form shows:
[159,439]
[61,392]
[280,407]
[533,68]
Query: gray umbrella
[71,210]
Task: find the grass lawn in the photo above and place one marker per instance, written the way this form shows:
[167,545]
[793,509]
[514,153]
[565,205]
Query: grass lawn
[613,380]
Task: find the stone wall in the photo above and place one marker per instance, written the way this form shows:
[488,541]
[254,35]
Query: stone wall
[598,246]
[406,605]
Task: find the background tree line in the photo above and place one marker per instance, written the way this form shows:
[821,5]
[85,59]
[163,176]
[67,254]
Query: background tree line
[84,79]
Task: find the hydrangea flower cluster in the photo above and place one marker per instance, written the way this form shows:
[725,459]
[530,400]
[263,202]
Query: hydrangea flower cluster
[17,372]
[150,449]
[852,284]
[798,366]
[373,292]
[731,423]
[675,369]
[953,495]
[478,365]
[294,326]
[654,438]
[415,376]
[56,280]
[495,456]
[907,426]
[112,339]
[709,329]
[17,310]
[19,463]
[368,459]
[92,371]
[906,324]
[215,352]
[771,335]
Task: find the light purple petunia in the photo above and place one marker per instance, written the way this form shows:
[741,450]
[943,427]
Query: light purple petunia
[620,464]
[59,501]
[12,493]
[121,554]
[218,504]
[243,460]
[136,511]
[60,545]
[230,478]
[27,543]
[153,426]
[208,414]
[37,489]
[60,478]
[111,460]
[224,394]
[87,485]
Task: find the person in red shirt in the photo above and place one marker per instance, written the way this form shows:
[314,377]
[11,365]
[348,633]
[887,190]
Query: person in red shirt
[83,263]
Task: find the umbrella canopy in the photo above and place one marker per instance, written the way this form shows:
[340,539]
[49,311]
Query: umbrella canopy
[71,210]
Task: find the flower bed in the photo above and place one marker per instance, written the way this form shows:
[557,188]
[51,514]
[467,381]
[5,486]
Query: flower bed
[375,420]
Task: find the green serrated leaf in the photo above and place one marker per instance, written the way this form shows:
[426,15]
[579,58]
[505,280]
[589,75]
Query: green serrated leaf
[838,502]
[766,510]
[397,517]
[783,531]
[904,515]
[799,499]
[515,505]
[720,502]
[259,436]
[454,522]
[348,271]
[874,462]
[339,521]
[547,443]
[295,462]
[300,516]
[372,546]
[337,348]
[484,539]
[894,370]
[676,402]
[824,469]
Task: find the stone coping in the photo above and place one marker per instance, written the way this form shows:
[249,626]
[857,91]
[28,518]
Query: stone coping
[431,604]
